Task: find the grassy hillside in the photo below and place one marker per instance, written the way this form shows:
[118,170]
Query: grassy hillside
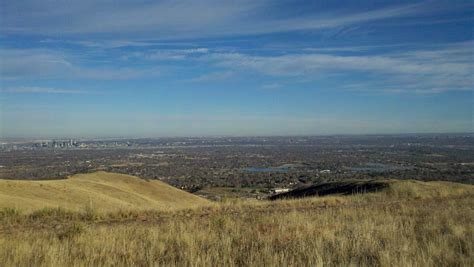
[401,188]
[101,191]
[408,223]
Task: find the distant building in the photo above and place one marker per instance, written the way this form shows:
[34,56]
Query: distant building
[279,190]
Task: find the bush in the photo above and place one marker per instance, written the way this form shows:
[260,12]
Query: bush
[89,213]
[51,213]
[70,231]
[9,212]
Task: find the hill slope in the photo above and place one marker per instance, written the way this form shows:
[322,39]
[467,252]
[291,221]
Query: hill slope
[401,188]
[102,191]
[407,223]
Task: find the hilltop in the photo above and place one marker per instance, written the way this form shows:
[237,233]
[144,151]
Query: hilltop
[101,191]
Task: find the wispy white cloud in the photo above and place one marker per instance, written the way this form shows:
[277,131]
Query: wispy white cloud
[40,90]
[167,54]
[42,63]
[115,43]
[271,86]
[177,19]
[214,76]
[429,70]
[437,70]
[31,62]
[300,64]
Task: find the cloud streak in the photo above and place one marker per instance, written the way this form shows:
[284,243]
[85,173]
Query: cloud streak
[432,71]
[17,64]
[177,19]
[41,90]
[214,76]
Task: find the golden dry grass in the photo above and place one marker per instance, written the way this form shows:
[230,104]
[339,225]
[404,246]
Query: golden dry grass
[101,191]
[409,224]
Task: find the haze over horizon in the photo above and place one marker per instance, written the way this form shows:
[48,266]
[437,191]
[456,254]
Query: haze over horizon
[198,68]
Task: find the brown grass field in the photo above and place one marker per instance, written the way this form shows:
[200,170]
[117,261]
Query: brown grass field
[409,223]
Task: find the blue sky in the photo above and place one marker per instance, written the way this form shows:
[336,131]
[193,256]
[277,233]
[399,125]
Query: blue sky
[196,68]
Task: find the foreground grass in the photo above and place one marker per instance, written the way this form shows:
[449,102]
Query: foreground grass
[399,227]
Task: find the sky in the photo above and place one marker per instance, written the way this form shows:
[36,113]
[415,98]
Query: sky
[103,68]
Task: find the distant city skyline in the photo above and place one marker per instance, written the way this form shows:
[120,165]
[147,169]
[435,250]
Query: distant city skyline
[219,68]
